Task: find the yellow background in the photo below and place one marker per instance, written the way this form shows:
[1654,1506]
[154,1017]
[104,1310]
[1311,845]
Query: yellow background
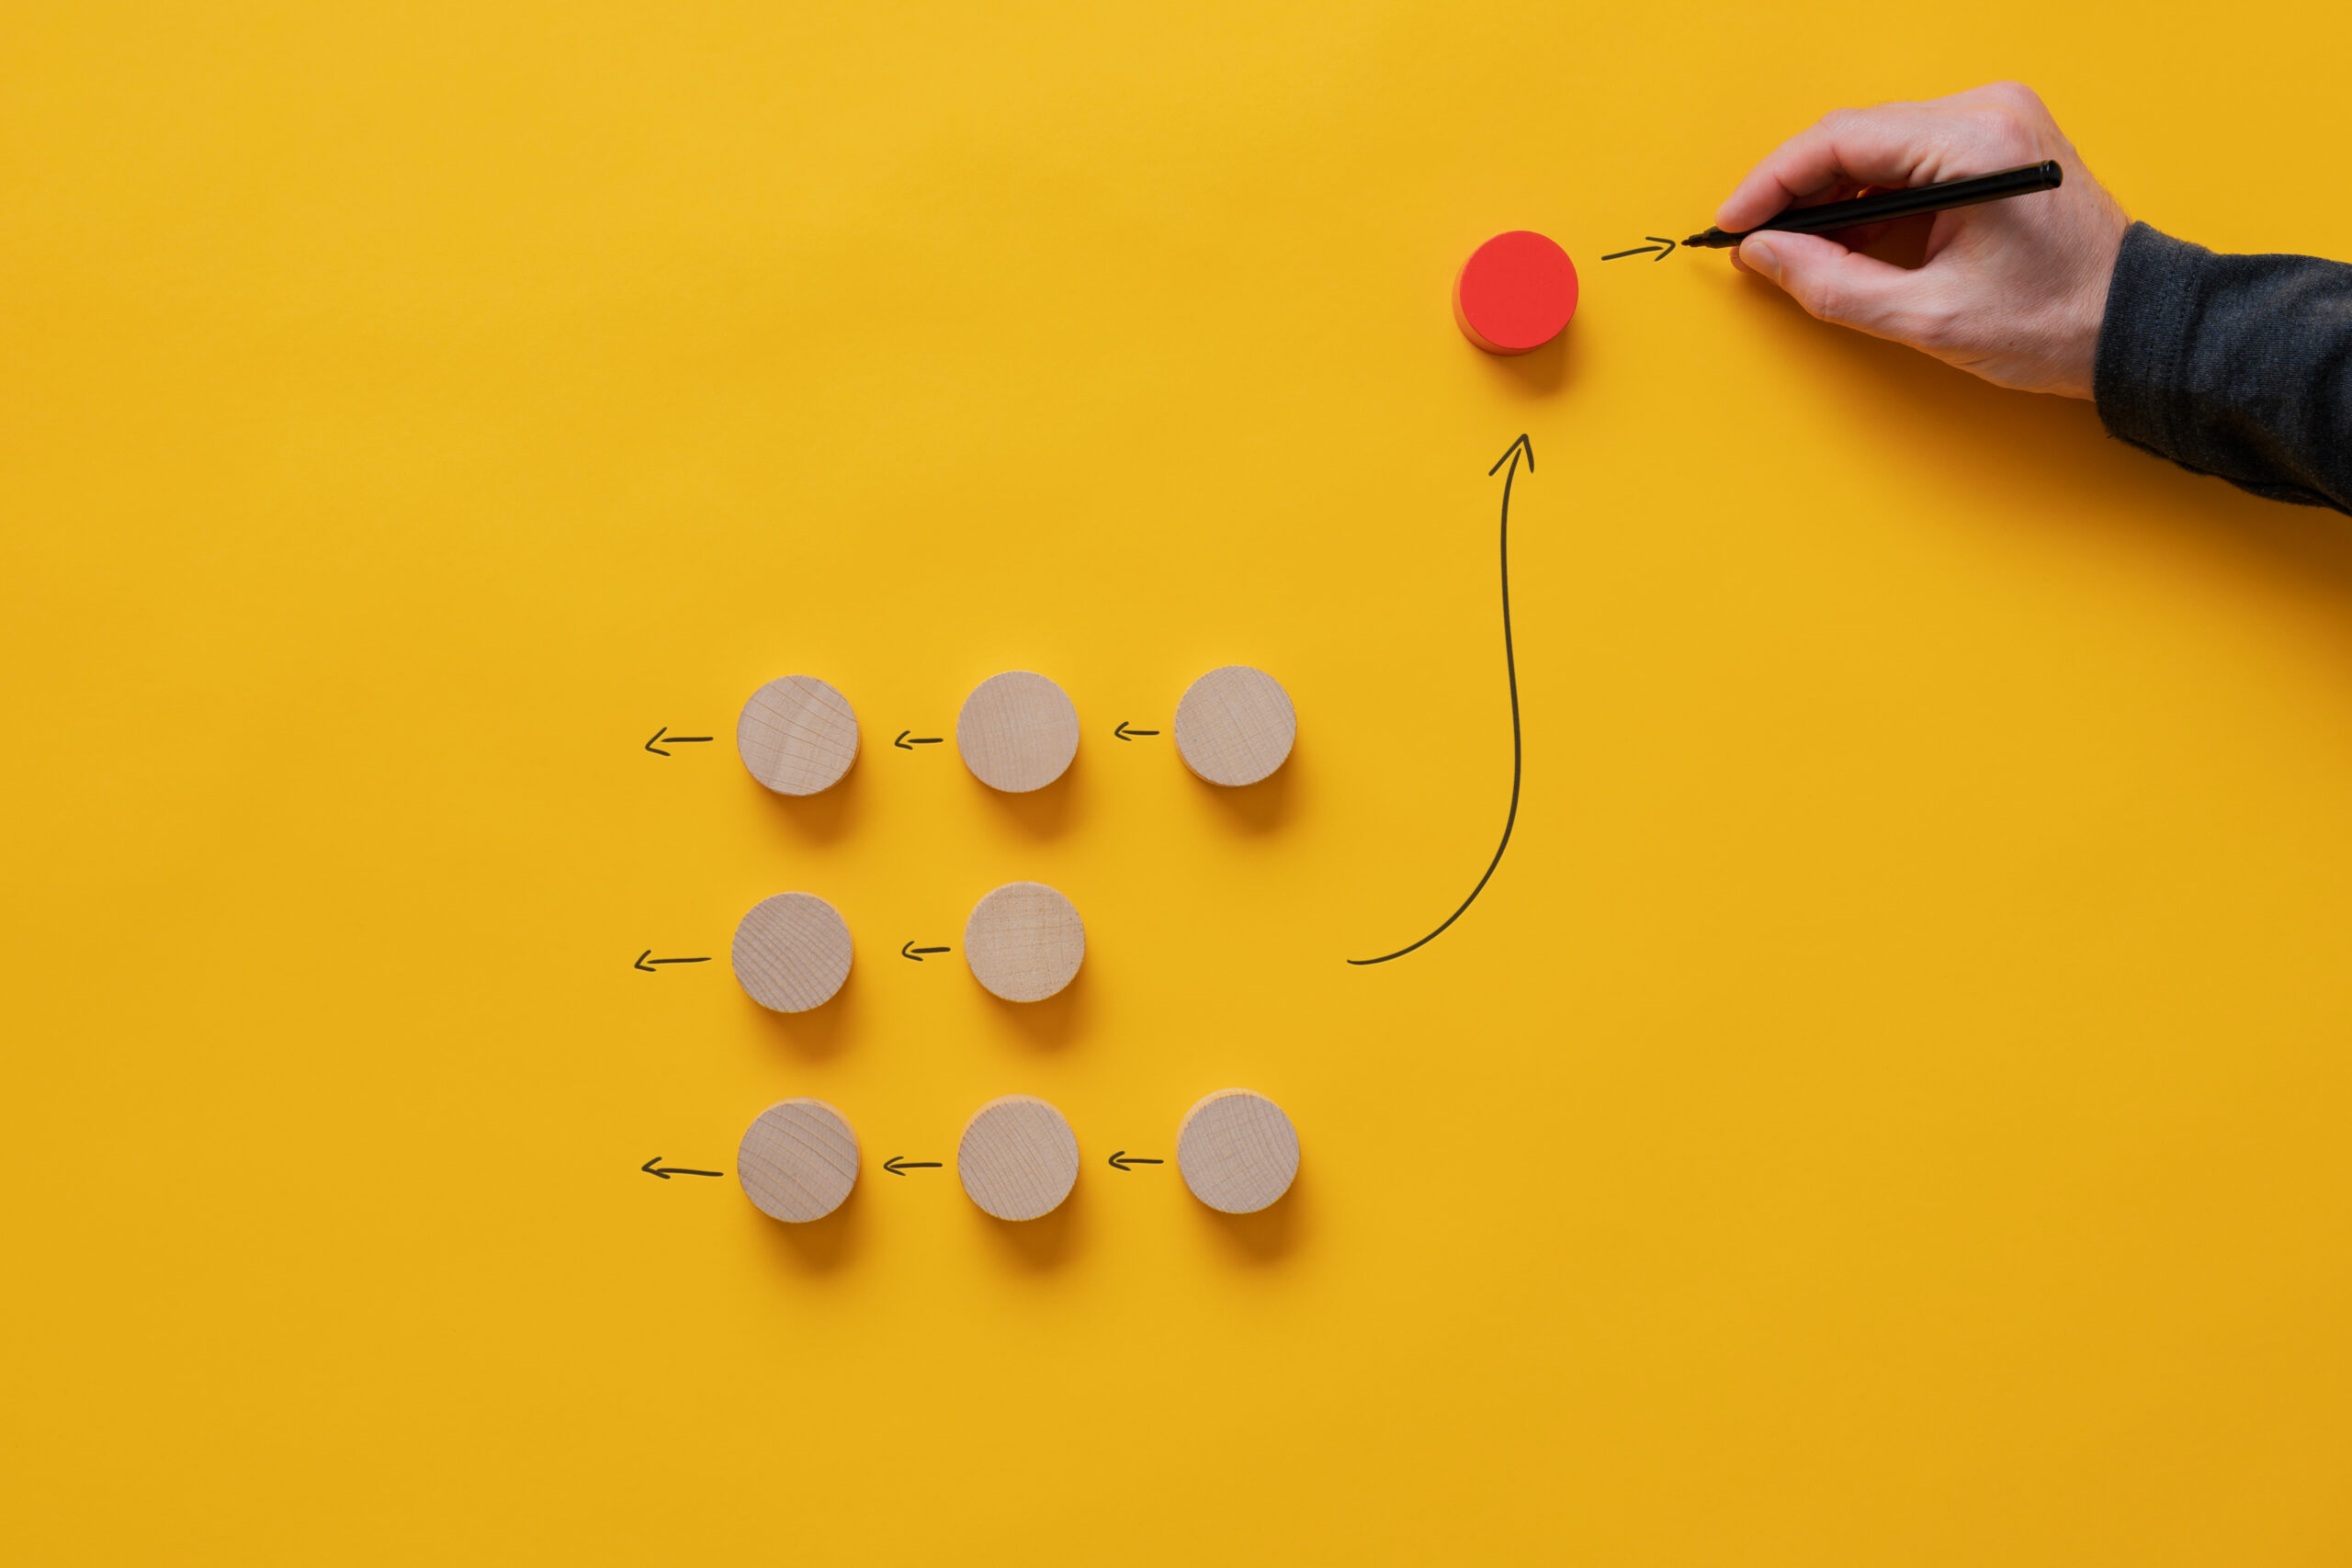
[1890,1106]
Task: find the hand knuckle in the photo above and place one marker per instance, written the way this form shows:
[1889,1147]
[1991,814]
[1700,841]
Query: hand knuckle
[1928,326]
[2005,130]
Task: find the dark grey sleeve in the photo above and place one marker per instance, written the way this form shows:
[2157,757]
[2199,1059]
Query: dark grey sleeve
[2234,366]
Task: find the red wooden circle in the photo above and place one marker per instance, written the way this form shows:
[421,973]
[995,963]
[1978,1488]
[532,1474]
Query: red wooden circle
[1515,293]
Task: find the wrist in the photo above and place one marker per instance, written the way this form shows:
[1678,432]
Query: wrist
[2086,315]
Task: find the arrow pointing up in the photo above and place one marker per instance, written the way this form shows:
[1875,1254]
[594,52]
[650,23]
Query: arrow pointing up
[1521,444]
[1511,454]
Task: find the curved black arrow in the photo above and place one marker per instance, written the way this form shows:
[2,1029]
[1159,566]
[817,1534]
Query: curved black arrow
[903,744]
[1123,733]
[662,733]
[909,950]
[1123,1159]
[655,1167]
[898,1165]
[1664,248]
[642,962]
[1510,670]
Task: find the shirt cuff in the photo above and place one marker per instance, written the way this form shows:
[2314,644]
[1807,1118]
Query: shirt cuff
[2139,377]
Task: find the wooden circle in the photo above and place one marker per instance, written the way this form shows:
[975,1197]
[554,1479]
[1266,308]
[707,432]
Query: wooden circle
[1025,942]
[1017,732]
[797,735]
[1238,1151]
[797,1161]
[1235,726]
[1515,293]
[792,952]
[1018,1159]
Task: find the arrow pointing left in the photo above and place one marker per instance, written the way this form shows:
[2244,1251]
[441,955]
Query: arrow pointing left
[664,735]
[646,960]
[655,1167]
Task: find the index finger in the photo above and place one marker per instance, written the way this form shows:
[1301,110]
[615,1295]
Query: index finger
[1891,144]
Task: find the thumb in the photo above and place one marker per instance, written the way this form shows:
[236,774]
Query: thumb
[1833,283]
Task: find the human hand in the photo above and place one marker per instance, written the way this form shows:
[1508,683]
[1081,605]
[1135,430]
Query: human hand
[2011,290]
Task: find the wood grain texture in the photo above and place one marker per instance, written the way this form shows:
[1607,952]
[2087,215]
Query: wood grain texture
[1017,731]
[1238,1151]
[798,1161]
[792,952]
[1235,726]
[797,735]
[1017,1158]
[1025,942]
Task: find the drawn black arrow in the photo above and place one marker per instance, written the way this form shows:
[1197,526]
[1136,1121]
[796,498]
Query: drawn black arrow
[655,1167]
[910,951]
[1664,248]
[903,744]
[642,964]
[1123,1159]
[898,1165]
[1510,670]
[662,734]
[1123,733]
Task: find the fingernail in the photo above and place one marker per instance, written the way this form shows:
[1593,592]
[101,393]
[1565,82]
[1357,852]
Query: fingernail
[1758,254]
